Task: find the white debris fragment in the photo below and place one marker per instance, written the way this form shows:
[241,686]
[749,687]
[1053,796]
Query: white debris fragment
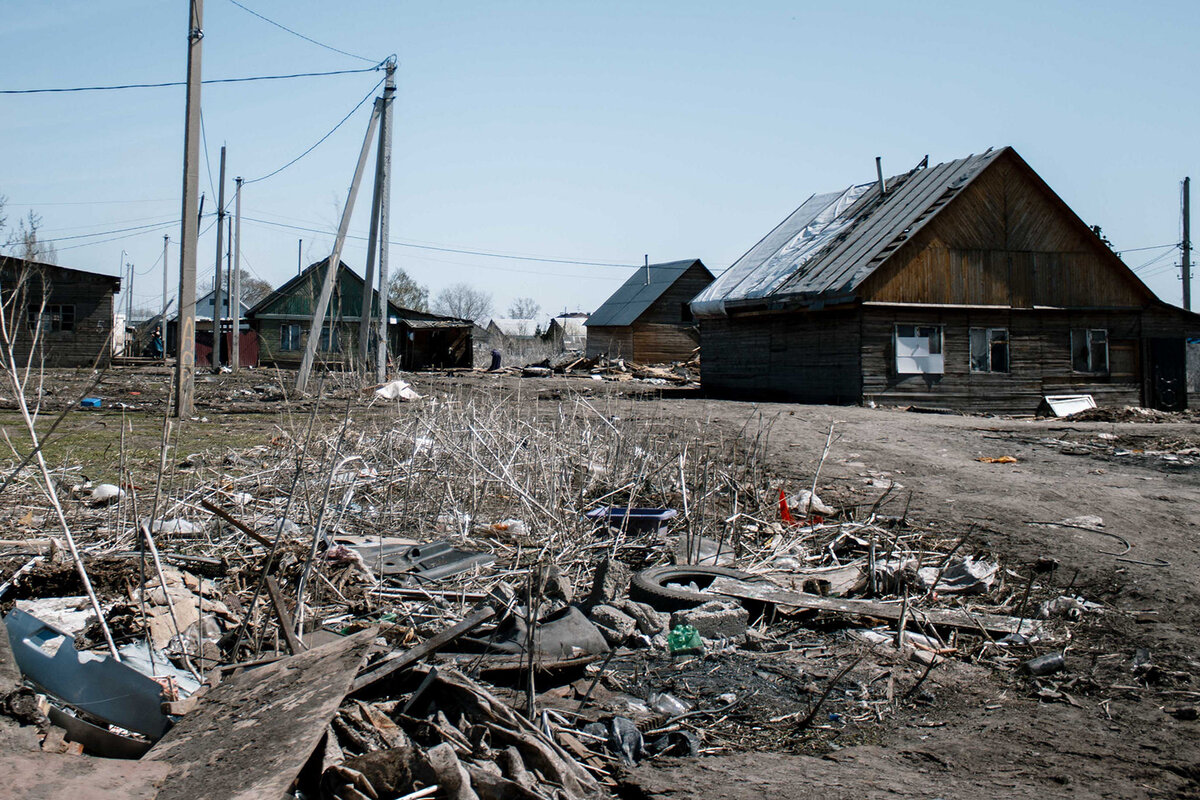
[106,493]
[396,390]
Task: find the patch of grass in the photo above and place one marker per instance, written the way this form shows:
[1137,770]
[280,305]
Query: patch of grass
[91,440]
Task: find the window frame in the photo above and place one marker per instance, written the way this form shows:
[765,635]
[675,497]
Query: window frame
[936,349]
[289,334]
[53,317]
[1087,337]
[988,343]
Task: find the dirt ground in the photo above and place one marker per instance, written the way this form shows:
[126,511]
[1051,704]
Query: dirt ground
[992,735]
[979,731]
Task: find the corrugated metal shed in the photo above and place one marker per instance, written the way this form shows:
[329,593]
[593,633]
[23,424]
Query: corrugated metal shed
[636,294]
[829,245]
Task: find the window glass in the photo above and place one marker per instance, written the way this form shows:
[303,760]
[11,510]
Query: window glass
[979,350]
[289,337]
[998,349]
[1089,350]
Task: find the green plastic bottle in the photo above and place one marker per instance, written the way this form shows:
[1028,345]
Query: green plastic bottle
[683,640]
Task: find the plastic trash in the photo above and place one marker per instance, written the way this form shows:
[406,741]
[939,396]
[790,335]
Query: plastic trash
[625,740]
[684,640]
[668,704]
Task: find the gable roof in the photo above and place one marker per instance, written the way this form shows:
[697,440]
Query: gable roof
[515,326]
[291,301]
[207,302]
[636,295]
[12,262]
[833,242]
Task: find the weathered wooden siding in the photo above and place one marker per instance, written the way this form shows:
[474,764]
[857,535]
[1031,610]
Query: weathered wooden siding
[610,341]
[90,340]
[660,343]
[271,354]
[1039,355]
[811,357]
[1006,240]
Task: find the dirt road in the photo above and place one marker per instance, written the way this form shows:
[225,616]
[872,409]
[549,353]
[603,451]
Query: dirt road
[990,735]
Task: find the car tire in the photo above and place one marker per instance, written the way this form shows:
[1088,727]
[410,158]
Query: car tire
[663,587]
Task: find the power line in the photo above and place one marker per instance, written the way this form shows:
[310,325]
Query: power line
[301,35]
[319,141]
[207,165]
[116,230]
[459,250]
[1151,247]
[163,226]
[165,84]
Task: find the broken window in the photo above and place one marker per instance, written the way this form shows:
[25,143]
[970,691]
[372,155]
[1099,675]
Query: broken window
[1089,350]
[55,317]
[289,337]
[919,350]
[989,350]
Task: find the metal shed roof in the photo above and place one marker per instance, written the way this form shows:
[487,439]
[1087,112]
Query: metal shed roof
[834,241]
[637,294]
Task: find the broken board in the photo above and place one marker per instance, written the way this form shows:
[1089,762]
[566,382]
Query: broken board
[965,621]
[250,735]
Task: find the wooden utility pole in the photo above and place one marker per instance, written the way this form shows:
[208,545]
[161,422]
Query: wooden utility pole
[185,363]
[364,321]
[162,317]
[235,295]
[216,325]
[335,259]
[385,141]
[1186,245]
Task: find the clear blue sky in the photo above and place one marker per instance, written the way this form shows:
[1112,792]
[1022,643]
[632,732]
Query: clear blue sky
[596,132]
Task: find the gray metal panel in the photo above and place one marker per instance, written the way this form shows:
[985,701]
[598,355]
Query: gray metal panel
[879,226]
[835,255]
[635,295]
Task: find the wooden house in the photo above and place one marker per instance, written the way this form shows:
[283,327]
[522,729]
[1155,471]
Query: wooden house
[968,284]
[417,339]
[648,319]
[70,310]
[567,331]
[205,307]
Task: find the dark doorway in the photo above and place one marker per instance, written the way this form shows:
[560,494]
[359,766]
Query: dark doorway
[1168,374]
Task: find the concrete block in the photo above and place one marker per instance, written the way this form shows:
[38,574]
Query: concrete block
[615,625]
[611,582]
[716,619]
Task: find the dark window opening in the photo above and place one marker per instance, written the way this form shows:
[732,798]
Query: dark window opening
[685,312]
[1089,350]
[989,350]
[289,337]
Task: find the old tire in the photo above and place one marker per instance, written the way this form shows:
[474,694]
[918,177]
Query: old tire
[665,588]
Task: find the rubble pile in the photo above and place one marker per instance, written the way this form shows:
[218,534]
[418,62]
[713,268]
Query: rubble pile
[458,598]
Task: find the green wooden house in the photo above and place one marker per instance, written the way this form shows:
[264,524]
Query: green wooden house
[417,339]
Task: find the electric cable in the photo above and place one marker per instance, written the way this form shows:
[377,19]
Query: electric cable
[166,84]
[300,35]
[317,143]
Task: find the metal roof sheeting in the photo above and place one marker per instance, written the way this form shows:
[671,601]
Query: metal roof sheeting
[636,295]
[834,241]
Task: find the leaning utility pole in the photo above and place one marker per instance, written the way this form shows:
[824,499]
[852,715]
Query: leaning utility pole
[185,363]
[235,294]
[364,319]
[1186,245]
[331,267]
[216,324]
[385,141]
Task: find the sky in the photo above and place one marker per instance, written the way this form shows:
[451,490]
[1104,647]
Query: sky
[573,132]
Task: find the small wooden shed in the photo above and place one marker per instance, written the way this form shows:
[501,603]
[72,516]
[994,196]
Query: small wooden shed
[968,284]
[648,319]
[71,310]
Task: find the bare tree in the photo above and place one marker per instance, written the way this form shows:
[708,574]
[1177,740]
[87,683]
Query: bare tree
[463,301]
[406,292]
[523,308]
[253,288]
[23,242]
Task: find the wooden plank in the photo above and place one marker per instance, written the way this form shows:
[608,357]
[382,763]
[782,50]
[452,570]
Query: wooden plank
[294,645]
[425,648]
[250,735]
[246,529]
[959,620]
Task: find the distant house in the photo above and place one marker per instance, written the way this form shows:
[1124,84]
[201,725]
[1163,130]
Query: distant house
[648,318]
[567,331]
[417,340]
[247,343]
[70,309]
[507,330]
[968,284]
